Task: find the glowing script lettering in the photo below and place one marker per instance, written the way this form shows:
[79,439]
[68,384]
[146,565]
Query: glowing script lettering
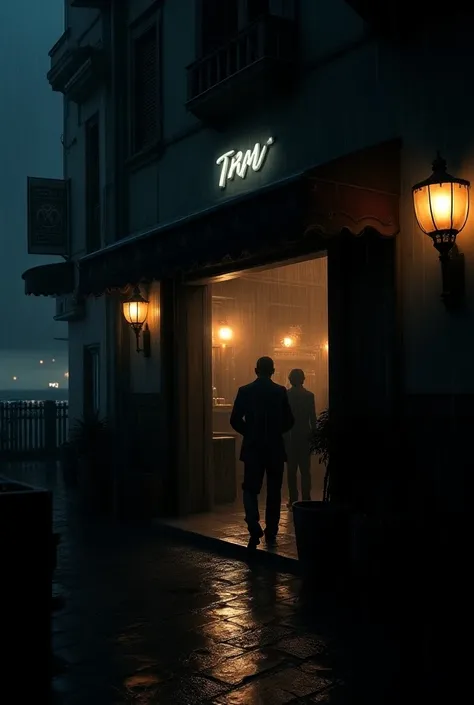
[239,163]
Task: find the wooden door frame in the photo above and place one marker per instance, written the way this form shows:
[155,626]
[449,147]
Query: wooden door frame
[183,396]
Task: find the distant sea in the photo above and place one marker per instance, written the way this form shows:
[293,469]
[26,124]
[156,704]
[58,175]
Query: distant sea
[33,394]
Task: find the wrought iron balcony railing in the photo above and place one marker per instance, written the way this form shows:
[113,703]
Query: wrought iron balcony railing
[263,51]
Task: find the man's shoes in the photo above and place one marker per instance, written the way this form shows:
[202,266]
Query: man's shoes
[255,537]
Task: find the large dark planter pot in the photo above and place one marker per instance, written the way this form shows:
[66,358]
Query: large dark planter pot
[137,497]
[96,486]
[323,540]
[69,465]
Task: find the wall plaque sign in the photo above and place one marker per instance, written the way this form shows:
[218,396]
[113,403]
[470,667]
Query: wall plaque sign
[47,216]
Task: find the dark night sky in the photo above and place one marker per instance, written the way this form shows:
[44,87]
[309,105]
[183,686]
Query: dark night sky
[30,131]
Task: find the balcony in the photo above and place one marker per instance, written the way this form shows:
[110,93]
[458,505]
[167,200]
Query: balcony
[257,63]
[76,71]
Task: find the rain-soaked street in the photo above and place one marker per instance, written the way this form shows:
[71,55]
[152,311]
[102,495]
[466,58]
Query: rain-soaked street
[148,621]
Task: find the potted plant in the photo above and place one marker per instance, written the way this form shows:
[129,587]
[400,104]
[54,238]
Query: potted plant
[93,441]
[137,485]
[323,528]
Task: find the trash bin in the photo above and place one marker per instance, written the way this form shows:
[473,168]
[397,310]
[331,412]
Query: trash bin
[26,545]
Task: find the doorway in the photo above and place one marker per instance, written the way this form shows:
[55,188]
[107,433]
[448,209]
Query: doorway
[334,316]
[281,312]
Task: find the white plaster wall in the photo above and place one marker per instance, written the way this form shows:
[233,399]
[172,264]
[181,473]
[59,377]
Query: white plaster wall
[369,94]
[91,331]
[343,102]
[80,19]
[316,124]
[86,27]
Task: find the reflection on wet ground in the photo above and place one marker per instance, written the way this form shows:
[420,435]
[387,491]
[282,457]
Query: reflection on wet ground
[149,621]
[227,524]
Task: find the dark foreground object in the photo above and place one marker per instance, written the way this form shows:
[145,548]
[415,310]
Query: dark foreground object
[323,541]
[26,545]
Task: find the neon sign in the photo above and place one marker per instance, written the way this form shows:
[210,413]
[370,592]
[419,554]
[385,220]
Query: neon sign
[234,163]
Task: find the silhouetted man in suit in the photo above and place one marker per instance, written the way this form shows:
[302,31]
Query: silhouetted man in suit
[298,450]
[262,414]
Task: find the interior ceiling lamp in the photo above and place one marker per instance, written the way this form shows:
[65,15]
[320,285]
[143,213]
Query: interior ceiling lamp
[135,312]
[441,205]
[292,338]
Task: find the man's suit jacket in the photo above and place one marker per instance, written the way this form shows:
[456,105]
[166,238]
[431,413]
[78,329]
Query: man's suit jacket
[262,414]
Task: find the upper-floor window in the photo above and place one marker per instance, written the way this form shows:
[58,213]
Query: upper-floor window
[145,90]
[93,191]
[220,21]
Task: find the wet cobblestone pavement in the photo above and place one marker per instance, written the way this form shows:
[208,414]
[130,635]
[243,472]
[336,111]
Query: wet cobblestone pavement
[152,622]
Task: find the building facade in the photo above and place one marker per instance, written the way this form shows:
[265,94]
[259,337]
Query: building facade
[203,142]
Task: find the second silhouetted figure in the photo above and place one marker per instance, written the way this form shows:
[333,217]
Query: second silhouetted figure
[298,449]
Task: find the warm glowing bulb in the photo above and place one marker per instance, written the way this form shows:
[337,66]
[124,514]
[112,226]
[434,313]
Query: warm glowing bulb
[135,312]
[225,333]
[14,378]
[288,341]
[41,362]
[326,347]
[441,203]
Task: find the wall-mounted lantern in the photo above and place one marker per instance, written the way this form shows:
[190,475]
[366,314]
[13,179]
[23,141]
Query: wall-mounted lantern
[441,205]
[135,312]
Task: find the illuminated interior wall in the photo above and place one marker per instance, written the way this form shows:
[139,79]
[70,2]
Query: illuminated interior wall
[280,312]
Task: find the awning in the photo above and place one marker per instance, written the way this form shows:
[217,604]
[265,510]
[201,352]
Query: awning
[49,279]
[356,193]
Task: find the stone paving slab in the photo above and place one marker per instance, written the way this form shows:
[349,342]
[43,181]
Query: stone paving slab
[150,621]
[224,531]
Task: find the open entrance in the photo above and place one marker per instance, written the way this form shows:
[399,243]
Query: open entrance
[280,312]
[226,325]
[334,317]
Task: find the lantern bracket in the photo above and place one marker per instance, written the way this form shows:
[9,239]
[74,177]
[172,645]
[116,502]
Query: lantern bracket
[453,278]
[146,338]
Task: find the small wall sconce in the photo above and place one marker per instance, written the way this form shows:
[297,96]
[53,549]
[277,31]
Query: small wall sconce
[135,312]
[441,205]
[225,333]
[292,338]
